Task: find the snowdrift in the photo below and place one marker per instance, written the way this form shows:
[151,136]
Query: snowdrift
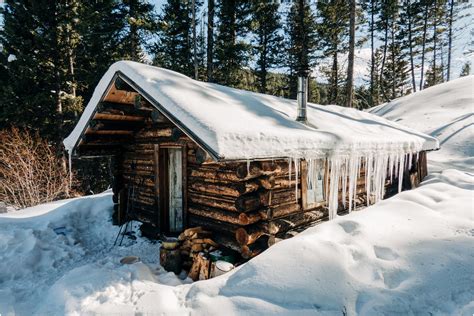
[444,111]
[411,254]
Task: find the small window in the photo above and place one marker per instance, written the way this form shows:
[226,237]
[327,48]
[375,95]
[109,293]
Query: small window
[314,178]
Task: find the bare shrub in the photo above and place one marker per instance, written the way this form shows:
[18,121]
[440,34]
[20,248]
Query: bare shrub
[30,171]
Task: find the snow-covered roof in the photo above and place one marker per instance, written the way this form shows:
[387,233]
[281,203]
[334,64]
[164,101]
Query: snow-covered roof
[238,124]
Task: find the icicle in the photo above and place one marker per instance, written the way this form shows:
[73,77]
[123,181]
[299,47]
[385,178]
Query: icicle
[297,167]
[334,186]
[401,167]
[410,160]
[368,176]
[248,167]
[353,169]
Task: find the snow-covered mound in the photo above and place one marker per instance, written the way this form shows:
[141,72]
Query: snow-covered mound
[411,254]
[444,111]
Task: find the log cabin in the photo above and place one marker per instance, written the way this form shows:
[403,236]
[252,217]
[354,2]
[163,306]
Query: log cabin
[249,167]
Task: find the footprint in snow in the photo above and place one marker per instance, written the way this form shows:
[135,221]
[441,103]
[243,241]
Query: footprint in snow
[349,227]
[385,253]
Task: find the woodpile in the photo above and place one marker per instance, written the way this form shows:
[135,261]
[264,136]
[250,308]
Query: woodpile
[195,246]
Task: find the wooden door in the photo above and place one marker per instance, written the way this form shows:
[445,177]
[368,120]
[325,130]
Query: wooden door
[175,191]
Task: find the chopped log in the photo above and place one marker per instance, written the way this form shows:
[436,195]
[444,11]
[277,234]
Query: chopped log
[197,248]
[196,267]
[205,267]
[250,251]
[222,215]
[247,236]
[187,233]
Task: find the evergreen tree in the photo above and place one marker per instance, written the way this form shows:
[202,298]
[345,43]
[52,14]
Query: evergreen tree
[41,94]
[174,49]
[231,51]
[333,29]
[301,42]
[395,74]
[140,25]
[466,70]
[267,40]
[371,7]
[100,26]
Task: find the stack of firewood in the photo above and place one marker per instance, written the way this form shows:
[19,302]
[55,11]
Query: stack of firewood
[196,244]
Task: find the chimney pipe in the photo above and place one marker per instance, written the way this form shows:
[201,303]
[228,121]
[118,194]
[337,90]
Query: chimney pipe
[302,98]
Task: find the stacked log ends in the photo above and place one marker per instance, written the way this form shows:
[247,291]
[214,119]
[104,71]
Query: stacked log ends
[196,244]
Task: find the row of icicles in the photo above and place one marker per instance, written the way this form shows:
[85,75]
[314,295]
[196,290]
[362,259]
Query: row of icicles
[345,173]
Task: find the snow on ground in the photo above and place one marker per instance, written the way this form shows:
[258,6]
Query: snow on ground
[412,254]
[445,111]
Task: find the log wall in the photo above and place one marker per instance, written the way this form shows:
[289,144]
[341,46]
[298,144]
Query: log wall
[246,205]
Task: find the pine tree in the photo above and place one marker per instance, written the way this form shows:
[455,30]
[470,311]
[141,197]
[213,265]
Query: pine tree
[231,52]
[301,42]
[210,40]
[350,66]
[410,25]
[334,16]
[395,74]
[42,35]
[174,49]
[140,25]
[466,70]
[371,7]
[100,26]
[267,40]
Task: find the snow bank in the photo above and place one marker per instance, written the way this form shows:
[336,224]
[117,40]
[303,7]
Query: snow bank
[238,124]
[444,111]
[411,254]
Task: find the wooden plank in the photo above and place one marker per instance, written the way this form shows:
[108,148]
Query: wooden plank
[156,166]
[185,185]
[175,178]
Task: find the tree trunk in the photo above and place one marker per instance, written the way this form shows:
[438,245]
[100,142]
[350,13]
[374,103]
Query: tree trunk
[372,52]
[394,75]
[410,40]
[210,39]
[193,3]
[384,56]
[435,39]
[334,76]
[423,45]
[450,37]
[350,67]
